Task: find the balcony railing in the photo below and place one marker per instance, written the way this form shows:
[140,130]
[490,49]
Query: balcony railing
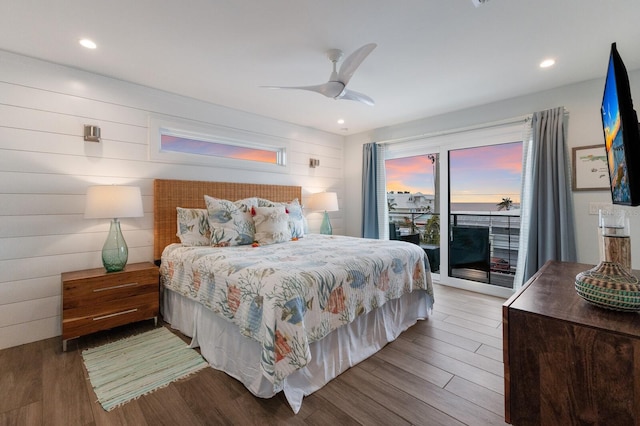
[483,247]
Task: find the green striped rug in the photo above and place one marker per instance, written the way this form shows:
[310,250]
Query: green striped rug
[129,368]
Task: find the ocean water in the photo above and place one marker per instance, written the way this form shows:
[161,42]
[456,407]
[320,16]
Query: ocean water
[479,207]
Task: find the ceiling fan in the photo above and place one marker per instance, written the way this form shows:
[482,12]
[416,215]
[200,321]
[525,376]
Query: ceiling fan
[336,86]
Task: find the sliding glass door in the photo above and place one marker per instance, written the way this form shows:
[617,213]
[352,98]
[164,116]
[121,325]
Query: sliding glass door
[484,212]
[413,201]
[458,197]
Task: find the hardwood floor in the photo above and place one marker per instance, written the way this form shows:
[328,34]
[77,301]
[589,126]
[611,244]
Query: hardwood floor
[446,370]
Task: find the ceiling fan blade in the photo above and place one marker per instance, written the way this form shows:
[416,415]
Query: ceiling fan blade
[330,89]
[351,64]
[356,96]
[315,88]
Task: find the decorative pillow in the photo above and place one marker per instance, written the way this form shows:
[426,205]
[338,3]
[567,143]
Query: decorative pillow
[231,223]
[272,225]
[296,219]
[247,203]
[263,202]
[193,227]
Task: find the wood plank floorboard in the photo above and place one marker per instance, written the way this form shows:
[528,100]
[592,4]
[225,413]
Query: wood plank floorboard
[415,366]
[446,370]
[470,334]
[477,394]
[490,352]
[450,312]
[472,358]
[464,411]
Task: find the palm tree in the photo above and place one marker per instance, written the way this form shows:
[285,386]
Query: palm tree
[432,230]
[391,206]
[505,204]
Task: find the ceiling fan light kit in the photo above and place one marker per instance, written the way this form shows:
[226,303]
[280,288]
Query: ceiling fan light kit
[336,86]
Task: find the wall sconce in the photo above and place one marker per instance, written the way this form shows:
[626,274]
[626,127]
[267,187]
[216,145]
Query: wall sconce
[91,133]
[314,162]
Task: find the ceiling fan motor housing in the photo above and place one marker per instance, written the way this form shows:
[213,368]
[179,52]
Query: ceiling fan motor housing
[334,55]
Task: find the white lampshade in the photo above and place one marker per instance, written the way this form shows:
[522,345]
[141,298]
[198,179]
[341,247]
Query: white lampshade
[323,201]
[113,201]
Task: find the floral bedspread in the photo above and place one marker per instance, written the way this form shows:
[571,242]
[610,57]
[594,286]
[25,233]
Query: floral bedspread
[288,295]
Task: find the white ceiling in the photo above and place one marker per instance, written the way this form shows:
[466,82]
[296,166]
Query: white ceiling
[433,56]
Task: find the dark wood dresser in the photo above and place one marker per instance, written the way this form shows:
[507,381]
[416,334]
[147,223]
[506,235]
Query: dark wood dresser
[568,362]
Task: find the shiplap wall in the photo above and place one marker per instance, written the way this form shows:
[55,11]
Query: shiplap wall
[46,167]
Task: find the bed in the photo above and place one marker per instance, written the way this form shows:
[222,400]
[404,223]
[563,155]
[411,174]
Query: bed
[288,316]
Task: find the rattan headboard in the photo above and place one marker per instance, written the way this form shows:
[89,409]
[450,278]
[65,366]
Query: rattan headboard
[169,194]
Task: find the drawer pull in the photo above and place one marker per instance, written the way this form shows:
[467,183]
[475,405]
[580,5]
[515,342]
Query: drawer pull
[95,290]
[115,315]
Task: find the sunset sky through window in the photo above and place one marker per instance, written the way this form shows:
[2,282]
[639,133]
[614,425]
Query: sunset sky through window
[478,175]
[192,146]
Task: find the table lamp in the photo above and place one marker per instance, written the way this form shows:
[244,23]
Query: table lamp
[327,202]
[113,202]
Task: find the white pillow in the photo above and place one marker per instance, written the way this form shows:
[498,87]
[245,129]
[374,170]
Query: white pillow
[193,227]
[263,202]
[296,219]
[272,225]
[231,223]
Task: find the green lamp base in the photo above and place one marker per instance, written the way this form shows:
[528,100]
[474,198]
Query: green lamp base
[325,227]
[115,251]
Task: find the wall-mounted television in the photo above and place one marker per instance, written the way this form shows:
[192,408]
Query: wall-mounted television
[621,134]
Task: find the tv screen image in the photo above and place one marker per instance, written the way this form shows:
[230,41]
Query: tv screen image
[613,141]
[622,140]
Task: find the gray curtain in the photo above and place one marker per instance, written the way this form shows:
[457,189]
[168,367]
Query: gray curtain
[370,221]
[551,234]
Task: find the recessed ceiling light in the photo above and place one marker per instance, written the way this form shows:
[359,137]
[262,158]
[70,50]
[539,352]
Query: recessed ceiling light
[89,44]
[340,121]
[547,63]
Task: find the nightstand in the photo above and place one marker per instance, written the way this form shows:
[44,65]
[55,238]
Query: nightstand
[95,300]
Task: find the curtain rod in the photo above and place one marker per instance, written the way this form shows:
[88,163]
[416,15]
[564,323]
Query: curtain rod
[514,120]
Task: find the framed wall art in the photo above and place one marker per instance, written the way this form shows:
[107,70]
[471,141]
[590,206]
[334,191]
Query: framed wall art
[589,168]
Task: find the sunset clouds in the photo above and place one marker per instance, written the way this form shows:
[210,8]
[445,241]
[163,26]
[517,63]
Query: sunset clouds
[413,174]
[192,146]
[478,175]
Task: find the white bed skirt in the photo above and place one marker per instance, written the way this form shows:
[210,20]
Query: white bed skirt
[227,350]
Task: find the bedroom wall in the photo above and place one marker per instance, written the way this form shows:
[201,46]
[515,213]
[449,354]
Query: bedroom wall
[582,101]
[45,168]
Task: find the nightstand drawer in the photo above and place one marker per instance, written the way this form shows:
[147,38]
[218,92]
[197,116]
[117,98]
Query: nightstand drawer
[79,286]
[82,293]
[104,315]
